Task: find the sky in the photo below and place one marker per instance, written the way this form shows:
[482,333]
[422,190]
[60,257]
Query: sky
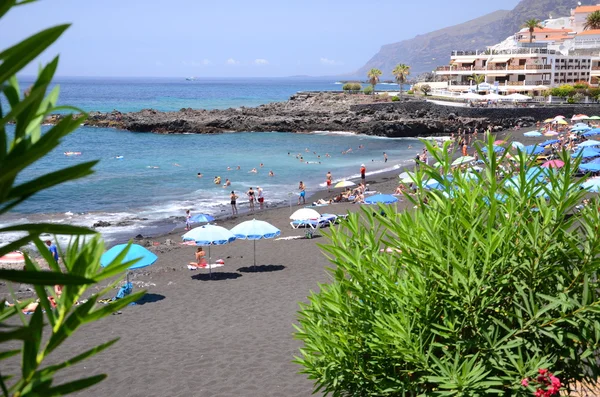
[229,38]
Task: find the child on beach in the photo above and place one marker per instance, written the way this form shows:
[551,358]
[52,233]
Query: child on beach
[188,223]
[328,177]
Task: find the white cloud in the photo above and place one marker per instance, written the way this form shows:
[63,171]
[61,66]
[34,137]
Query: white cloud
[261,61]
[231,61]
[203,62]
[327,61]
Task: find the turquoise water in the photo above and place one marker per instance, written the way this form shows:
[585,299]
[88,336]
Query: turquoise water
[172,94]
[148,190]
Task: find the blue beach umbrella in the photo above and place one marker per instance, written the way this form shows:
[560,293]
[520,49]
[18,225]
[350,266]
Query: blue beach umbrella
[201,218]
[592,185]
[595,131]
[496,149]
[591,142]
[145,257]
[580,129]
[534,149]
[209,235]
[586,153]
[549,142]
[592,166]
[532,133]
[517,145]
[381,198]
[581,125]
[255,230]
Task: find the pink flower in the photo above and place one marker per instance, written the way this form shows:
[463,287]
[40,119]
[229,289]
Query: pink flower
[555,382]
[543,371]
[539,393]
[525,382]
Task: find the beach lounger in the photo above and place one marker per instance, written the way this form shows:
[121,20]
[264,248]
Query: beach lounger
[323,220]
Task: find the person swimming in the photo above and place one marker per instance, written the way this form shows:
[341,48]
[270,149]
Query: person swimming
[227,183]
[217,180]
[199,175]
[253,170]
[271,173]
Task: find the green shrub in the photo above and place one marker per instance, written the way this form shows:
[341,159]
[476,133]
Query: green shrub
[36,337]
[356,87]
[594,92]
[425,89]
[563,91]
[484,285]
[368,90]
[410,92]
[347,87]
[581,85]
[571,100]
[395,99]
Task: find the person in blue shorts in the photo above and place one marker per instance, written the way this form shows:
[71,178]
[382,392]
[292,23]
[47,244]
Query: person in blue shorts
[53,250]
[302,196]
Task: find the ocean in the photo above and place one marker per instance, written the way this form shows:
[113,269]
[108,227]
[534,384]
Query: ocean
[144,182]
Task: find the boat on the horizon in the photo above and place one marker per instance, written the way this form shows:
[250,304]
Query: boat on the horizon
[190,78]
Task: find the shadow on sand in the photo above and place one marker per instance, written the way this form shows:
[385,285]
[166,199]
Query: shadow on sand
[261,269]
[216,276]
[150,298]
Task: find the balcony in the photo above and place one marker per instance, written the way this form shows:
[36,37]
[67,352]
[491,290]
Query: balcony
[514,51]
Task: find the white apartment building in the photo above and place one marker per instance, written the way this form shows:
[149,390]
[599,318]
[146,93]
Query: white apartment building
[531,70]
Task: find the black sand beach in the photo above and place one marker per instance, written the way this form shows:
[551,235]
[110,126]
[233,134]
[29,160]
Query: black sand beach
[226,336]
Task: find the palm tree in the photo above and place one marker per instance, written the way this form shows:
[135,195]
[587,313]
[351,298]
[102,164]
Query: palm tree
[532,24]
[477,79]
[592,21]
[373,76]
[401,72]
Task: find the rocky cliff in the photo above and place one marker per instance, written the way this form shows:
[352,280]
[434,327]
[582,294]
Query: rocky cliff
[331,112]
[425,52]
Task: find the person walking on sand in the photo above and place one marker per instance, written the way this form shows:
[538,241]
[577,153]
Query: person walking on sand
[260,197]
[328,180]
[384,157]
[363,173]
[302,195]
[233,198]
[188,220]
[250,194]
[53,250]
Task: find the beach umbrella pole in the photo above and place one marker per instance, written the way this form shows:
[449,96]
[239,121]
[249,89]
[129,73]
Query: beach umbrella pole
[254,267]
[209,267]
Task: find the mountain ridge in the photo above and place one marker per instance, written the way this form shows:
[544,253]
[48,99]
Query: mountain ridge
[427,51]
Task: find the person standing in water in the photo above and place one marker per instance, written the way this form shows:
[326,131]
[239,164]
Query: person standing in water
[233,198]
[328,180]
[250,194]
[384,157]
[363,173]
[260,197]
[302,195]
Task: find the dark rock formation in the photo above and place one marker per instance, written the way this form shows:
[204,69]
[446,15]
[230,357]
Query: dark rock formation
[101,224]
[334,112]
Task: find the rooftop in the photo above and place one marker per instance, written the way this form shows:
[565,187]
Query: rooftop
[592,32]
[587,9]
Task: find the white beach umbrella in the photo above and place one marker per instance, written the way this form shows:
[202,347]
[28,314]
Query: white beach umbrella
[472,95]
[209,235]
[462,160]
[345,184]
[493,97]
[255,230]
[305,214]
[518,97]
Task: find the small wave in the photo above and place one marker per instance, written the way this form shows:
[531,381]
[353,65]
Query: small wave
[346,133]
